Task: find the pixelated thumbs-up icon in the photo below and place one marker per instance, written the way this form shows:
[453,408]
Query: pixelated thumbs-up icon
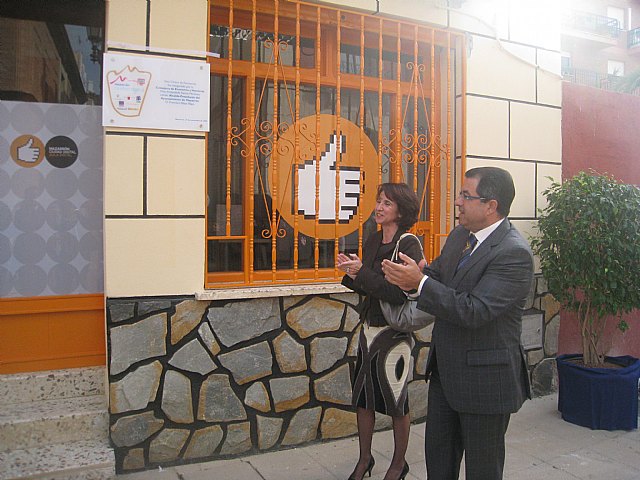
[349,178]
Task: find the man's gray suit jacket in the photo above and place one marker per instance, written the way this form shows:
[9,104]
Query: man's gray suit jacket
[478,321]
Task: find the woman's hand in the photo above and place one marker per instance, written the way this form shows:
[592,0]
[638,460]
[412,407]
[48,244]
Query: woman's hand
[350,264]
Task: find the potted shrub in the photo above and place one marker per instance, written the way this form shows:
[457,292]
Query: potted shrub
[588,243]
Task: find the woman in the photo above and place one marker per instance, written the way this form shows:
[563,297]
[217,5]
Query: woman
[382,367]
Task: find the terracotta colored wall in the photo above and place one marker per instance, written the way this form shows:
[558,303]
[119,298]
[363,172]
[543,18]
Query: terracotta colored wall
[600,130]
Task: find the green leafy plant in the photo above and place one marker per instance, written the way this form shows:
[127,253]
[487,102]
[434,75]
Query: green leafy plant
[588,243]
[629,83]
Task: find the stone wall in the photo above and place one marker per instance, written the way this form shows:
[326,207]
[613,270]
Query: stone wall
[191,380]
[542,363]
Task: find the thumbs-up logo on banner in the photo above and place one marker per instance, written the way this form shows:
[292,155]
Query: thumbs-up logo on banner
[27,151]
[342,161]
[349,185]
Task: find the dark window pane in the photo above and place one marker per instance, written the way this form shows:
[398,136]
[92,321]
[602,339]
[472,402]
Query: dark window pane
[224,256]
[50,62]
[219,44]
[217,159]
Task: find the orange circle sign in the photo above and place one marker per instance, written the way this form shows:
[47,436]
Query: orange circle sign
[27,151]
[340,163]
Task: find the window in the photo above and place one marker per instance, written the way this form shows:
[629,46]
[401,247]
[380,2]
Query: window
[615,68]
[373,99]
[51,51]
[618,14]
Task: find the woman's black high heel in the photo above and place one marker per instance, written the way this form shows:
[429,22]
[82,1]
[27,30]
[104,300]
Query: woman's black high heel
[372,462]
[405,471]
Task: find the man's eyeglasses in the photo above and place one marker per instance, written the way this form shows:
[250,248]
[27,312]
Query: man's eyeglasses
[466,196]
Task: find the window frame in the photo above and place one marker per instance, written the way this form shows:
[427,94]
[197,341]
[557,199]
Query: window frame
[335,25]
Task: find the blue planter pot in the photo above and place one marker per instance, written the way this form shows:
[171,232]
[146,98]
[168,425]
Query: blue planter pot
[599,398]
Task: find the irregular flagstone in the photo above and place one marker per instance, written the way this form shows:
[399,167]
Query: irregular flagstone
[249,363]
[269,429]
[351,298]
[133,343]
[204,442]
[188,315]
[351,320]
[218,402]
[289,393]
[176,397]
[288,302]
[535,356]
[135,390]
[338,423]
[257,397]
[551,333]
[152,306]
[238,439]
[421,362]
[531,296]
[289,354]
[209,339]
[383,422]
[119,312]
[193,357]
[303,427]
[326,351]
[424,334]
[131,430]
[316,316]
[418,391]
[334,387]
[550,305]
[134,459]
[352,351]
[240,321]
[167,445]
[544,377]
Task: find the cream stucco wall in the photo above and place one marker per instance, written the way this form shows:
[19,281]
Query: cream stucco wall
[154,181]
[154,197]
[514,95]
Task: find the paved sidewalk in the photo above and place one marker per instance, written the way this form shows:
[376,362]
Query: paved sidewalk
[540,445]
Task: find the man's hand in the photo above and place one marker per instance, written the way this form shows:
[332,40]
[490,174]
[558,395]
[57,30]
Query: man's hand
[407,276]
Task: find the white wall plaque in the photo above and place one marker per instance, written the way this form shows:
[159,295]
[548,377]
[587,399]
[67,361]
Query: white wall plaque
[151,92]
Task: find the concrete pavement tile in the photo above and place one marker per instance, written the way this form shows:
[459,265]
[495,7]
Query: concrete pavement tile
[415,449]
[338,457]
[516,460]
[587,464]
[156,474]
[289,464]
[417,470]
[568,431]
[418,429]
[624,449]
[542,445]
[225,470]
[542,471]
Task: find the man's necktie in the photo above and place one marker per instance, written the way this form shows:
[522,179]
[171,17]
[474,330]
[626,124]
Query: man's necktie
[466,252]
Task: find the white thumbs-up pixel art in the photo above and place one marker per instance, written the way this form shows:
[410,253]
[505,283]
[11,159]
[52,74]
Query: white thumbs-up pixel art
[28,153]
[349,185]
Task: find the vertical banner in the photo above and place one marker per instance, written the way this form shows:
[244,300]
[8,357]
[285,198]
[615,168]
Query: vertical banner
[159,93]
[50,199]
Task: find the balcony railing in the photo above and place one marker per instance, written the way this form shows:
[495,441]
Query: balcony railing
[590,78]
[592,23]
[633,38]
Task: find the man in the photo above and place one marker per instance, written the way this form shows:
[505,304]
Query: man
[476,289]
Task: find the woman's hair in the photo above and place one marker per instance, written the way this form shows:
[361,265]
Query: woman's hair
[406,199]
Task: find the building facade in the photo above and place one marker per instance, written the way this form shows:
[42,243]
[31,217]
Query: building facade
[227,329]
[600,42]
